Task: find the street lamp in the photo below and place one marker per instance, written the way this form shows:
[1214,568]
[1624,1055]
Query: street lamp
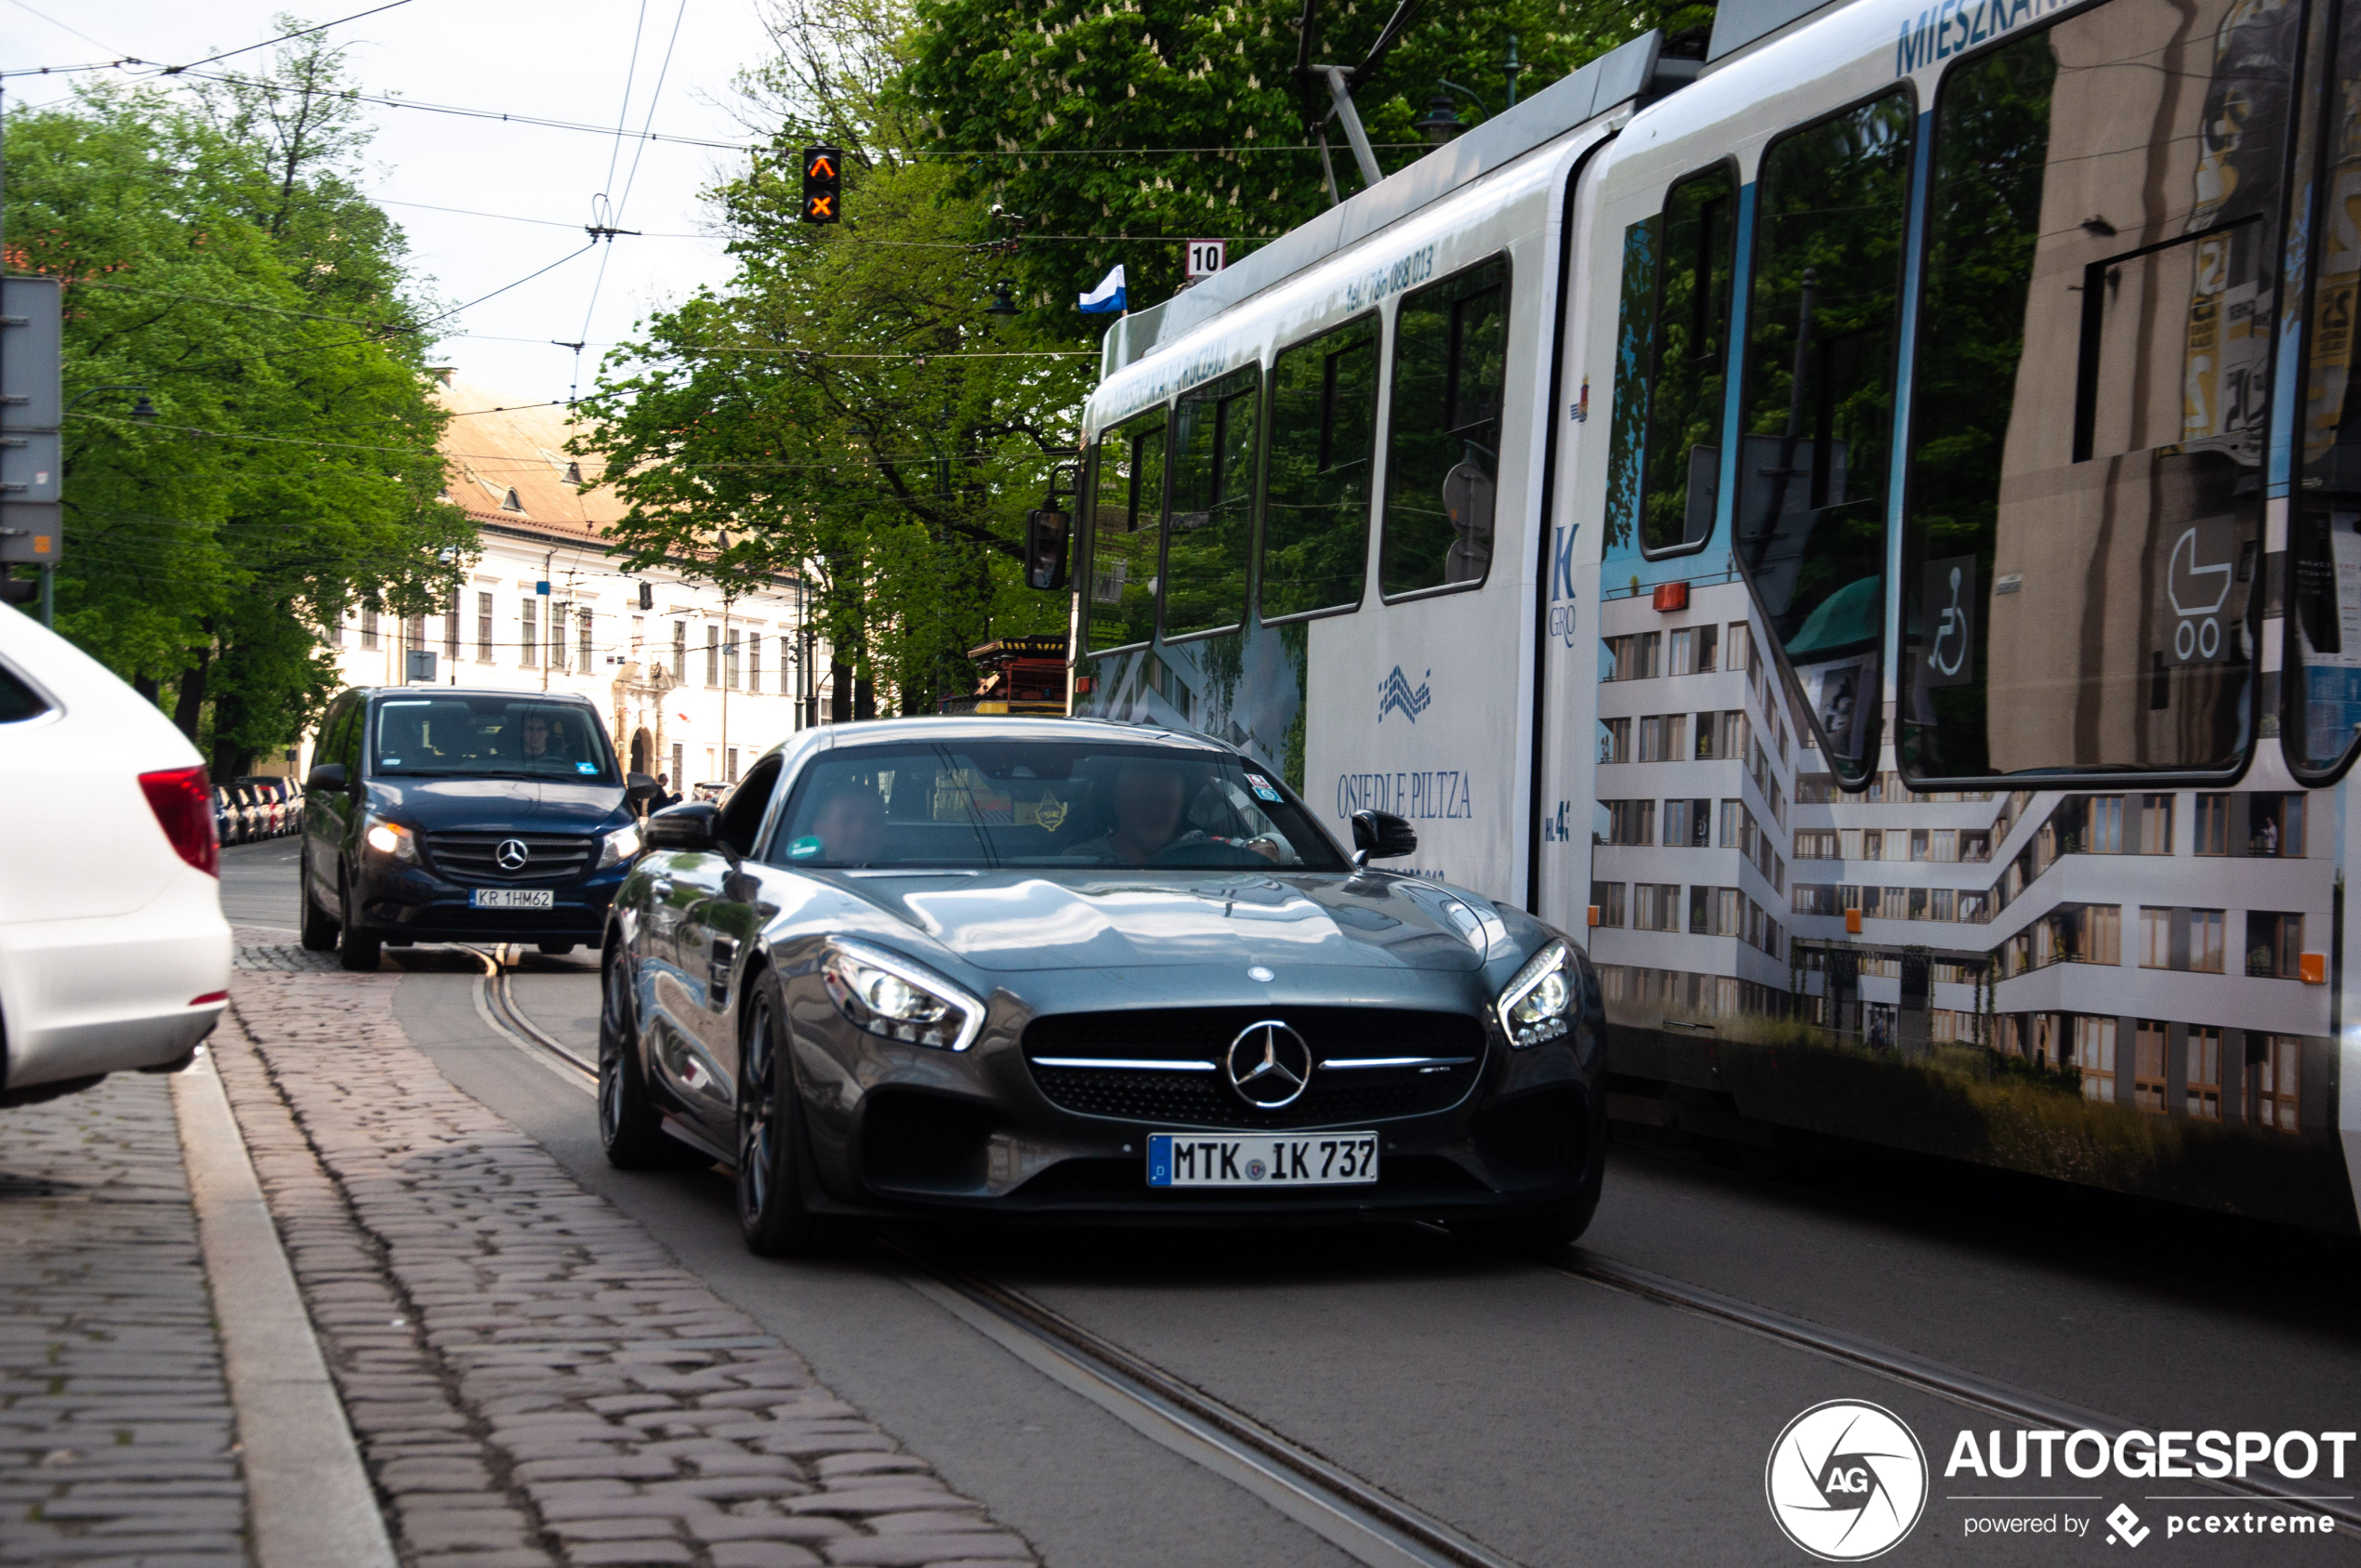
[1440,123]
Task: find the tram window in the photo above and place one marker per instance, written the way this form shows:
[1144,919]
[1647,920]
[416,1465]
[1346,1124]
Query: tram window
[2324,624]
[1211,530]
[1810,510]
[1315,506]
[1690,336]
[1126,527]
[1443,448]
[2086,467]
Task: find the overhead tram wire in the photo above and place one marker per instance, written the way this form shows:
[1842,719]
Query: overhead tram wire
[283,37]
[53,22]
[614,215]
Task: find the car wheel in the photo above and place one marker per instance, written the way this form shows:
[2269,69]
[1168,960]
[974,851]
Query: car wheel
[772,1215]
[630,1129]
[556,949]
[319,932]
[356,949]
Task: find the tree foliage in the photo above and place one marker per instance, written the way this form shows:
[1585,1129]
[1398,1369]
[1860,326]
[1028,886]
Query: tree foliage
[844,408]
[217,257]
[1117,129]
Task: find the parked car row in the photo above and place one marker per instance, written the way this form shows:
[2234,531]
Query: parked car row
[247,810]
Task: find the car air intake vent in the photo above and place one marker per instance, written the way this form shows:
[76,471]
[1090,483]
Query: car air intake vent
[493,857]
[1369,1065]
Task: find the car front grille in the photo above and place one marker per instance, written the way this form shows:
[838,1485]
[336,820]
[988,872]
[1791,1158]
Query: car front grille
[475,856]
[1451,1047]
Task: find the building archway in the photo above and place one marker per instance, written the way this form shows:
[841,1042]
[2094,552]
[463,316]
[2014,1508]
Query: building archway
[642,749]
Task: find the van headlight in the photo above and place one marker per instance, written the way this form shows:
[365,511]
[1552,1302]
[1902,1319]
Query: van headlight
[619,846]
[1538,1003]
[891,996]
[392,840]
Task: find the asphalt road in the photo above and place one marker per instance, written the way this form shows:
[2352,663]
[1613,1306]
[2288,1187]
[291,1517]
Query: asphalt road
[1550,1418]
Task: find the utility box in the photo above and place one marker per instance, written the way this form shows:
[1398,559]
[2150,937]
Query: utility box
[418,664]
[32,403]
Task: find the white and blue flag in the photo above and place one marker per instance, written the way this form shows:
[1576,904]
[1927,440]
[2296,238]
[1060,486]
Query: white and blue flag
[1109,295]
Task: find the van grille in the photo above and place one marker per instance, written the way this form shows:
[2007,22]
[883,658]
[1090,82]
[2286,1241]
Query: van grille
[474,856]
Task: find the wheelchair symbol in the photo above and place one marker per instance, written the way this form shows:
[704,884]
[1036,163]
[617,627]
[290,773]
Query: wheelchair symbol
[1953,630]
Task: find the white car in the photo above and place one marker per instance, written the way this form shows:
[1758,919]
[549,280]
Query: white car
[114,954]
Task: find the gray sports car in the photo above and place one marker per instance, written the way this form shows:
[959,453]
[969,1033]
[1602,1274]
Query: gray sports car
[1067,969]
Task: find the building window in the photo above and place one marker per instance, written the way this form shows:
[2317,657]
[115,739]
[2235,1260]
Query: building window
[754,661]
[679,652]
[713,655]
[1664,737]
[679,779]
[1607,897]
[2155,824]
[2274,826]
[582,638]
[1688,823]
[1630,822]
[2094,1055]
[531,639]
[2156,937]
[368,629]
[732,774]
[1740,644]
[787,668]
[2213,824]
[1694,649]
[484,629]
[451,627]
[730,662]
[2271,1072]
[1615,740]
[2275,945]
[1655,906]
[2105,826]
[1816,845]
[556,637]
[2147,1067]
[2204,1074]
[1633,657]
[1722,735]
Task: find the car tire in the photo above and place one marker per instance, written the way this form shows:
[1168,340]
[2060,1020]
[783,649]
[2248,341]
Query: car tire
[319,932]
[631,1131]
[771,1213]
[556,949]
[356,950]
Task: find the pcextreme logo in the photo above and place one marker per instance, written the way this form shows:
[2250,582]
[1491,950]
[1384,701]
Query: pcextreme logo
[1846,1481]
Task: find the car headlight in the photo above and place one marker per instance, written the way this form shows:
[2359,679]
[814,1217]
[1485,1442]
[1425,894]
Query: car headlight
[619,846]
[898,999]
[392,840]
[1538,1003]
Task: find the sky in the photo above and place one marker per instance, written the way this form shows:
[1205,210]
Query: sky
[560,59]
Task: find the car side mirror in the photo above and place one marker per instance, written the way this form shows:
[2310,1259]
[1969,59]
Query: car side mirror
[1382,835]
[691,826]
[638,787]
[327,775]
[1046,536]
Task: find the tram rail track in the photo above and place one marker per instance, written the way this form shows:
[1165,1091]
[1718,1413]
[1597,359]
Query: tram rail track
[1363,1520]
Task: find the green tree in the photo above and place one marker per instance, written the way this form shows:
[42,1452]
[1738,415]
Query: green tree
[844,408]
[215,253]
[1122,128]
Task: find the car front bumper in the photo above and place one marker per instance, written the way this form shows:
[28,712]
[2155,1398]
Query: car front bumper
[404,902]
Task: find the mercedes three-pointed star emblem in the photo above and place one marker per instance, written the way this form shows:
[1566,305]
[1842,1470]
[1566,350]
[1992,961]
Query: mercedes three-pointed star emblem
[512,855]
[1268,1064]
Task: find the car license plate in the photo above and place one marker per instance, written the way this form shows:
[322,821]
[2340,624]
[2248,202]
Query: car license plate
[1322,1159]
[511,898]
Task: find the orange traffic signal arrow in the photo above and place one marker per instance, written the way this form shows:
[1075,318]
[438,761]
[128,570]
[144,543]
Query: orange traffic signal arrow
[821,169]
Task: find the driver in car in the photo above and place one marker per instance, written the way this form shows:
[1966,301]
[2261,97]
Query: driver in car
[851,825]
[1150,799]
[545,739]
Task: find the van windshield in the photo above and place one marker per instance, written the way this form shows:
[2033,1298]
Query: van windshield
[491,737]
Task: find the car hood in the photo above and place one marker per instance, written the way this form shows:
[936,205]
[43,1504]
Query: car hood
[1015,920]
[491,805]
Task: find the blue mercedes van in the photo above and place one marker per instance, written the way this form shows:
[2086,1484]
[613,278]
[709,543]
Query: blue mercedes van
[433,813]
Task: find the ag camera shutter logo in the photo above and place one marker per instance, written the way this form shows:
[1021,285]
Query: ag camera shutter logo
[1846,1481]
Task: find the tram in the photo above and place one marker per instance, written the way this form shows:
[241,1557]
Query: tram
[1864,528]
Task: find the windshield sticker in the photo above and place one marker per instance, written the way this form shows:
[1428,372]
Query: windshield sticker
[1050,813]
[1261,786]
[803,849]
[585,767]
[393,762]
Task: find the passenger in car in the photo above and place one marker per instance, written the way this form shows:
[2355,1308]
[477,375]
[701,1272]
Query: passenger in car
[851,825]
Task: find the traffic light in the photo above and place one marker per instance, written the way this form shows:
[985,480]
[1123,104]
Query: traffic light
[823,183]
[647,596]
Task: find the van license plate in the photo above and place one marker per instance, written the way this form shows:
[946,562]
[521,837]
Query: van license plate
[511,898]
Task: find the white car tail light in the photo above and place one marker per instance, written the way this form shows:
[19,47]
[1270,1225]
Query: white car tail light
[182,800]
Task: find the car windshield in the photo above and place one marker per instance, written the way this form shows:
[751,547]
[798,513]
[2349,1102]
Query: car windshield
[491,737]
[1047,803]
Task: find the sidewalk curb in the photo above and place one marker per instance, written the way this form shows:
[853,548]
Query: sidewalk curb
[308,1500]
